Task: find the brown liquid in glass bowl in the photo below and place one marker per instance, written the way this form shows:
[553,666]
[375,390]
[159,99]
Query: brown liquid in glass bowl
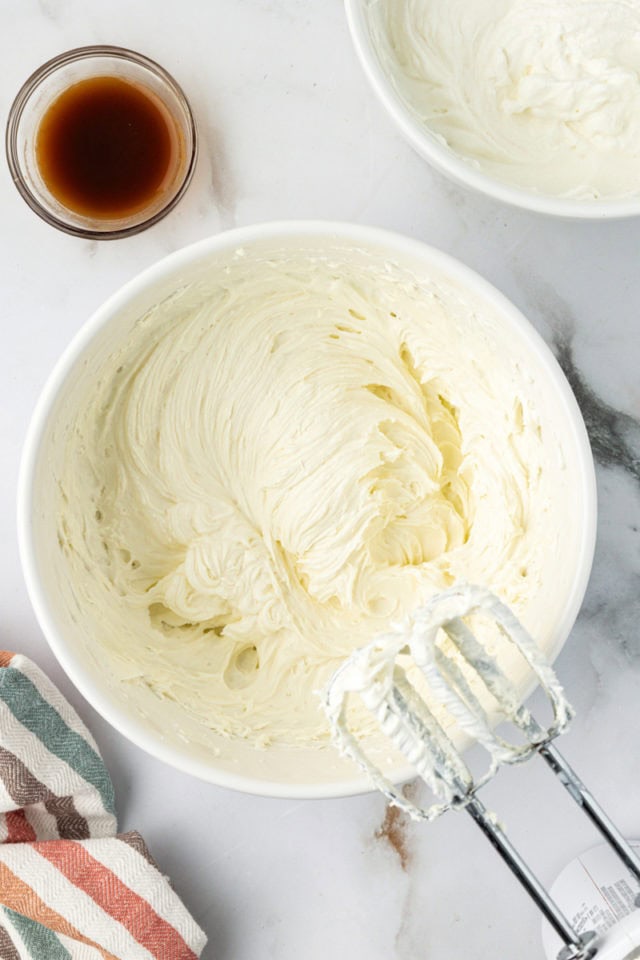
[107,148]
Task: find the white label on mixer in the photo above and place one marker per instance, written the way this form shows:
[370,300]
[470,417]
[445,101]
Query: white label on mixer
[595,891]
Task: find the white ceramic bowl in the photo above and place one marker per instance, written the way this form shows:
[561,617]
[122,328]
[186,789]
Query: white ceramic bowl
[157,726]
[451,164]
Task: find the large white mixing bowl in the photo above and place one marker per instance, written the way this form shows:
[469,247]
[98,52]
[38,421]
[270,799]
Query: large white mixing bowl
[159,726]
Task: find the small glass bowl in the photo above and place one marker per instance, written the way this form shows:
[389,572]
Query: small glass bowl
[37,95]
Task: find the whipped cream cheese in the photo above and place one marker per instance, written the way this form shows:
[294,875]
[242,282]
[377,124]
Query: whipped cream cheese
[282,459]
[544,94]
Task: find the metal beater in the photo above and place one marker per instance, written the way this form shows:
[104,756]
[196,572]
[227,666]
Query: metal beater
[432,674]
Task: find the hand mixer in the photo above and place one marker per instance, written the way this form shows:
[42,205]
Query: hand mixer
[431,672]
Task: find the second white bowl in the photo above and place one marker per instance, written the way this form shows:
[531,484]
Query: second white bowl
[439,155]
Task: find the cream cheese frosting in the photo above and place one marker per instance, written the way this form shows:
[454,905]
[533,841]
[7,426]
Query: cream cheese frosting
[544,94]
[281,460]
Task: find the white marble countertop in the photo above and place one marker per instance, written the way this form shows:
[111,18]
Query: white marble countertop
[290,129]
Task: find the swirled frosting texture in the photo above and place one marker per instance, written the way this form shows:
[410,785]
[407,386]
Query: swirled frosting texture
[544,94]
[280,461]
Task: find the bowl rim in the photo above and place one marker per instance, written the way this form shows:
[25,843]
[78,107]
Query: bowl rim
[394,244]
[455,166]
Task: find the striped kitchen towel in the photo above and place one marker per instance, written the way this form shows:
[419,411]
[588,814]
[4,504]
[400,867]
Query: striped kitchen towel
[70,887]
